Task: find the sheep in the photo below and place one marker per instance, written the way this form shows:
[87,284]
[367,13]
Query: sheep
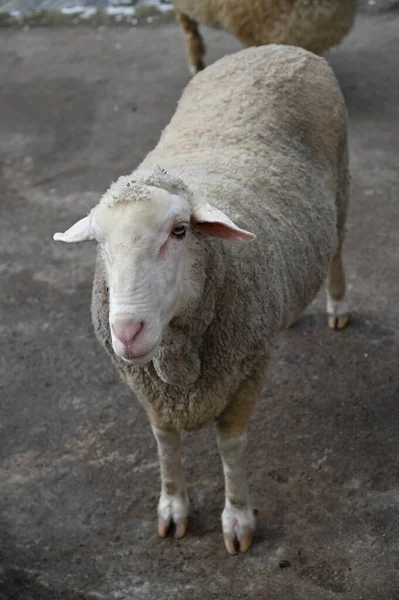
[315,25]
[216,242]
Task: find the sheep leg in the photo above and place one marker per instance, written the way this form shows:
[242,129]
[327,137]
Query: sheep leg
[337,307]
[194,43]
[238,520]
[173,505]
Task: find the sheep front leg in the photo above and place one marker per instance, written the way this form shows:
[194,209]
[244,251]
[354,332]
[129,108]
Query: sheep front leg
[173,503]
[238,519]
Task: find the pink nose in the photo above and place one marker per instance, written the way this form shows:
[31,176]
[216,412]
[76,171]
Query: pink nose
[126,330]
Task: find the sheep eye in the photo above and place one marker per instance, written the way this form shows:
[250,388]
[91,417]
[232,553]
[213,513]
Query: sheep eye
[179,231]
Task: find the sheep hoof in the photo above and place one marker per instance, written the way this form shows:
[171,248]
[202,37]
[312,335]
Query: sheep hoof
[337,313]
[238,527]
[338,321]
[232,545]
[181,528]
[246,542]
[163,527]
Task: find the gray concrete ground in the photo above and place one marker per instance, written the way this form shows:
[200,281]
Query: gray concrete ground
[40,5]
[33,13]
[78,470]
[36,5]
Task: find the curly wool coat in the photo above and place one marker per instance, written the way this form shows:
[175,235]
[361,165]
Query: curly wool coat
[262,135]
[315,25]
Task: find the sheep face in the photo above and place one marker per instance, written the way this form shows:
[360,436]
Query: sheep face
[147,244]
[144,246]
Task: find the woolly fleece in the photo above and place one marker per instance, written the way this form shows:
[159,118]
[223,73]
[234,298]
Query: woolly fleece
[315,25]
[262,134]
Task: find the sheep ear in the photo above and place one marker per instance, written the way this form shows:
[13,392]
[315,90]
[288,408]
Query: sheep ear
[80,232]
[214,222]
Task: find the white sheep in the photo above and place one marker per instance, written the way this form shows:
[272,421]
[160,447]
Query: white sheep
[258,142]
[315,25]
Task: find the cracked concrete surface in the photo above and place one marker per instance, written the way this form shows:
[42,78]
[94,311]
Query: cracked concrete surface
[78,470]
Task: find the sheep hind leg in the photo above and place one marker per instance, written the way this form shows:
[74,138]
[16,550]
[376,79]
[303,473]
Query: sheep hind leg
[337,307]
[238,520]
[195,47]
[173,505]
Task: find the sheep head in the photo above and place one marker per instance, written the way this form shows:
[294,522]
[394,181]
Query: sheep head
[145,226]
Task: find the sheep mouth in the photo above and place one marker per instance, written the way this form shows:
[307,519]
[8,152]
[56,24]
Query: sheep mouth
[140,359]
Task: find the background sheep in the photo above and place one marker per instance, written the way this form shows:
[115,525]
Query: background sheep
[189,318]
[312,24]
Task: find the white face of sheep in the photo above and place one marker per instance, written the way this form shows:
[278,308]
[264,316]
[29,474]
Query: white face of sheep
[145,245]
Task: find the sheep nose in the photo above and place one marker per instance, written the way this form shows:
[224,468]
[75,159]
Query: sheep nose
[126,329]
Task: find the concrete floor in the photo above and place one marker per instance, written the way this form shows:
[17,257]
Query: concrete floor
[78,470]
[368,6]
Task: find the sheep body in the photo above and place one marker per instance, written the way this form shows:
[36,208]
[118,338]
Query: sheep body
[262,135]
[258,141]
[315,25]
